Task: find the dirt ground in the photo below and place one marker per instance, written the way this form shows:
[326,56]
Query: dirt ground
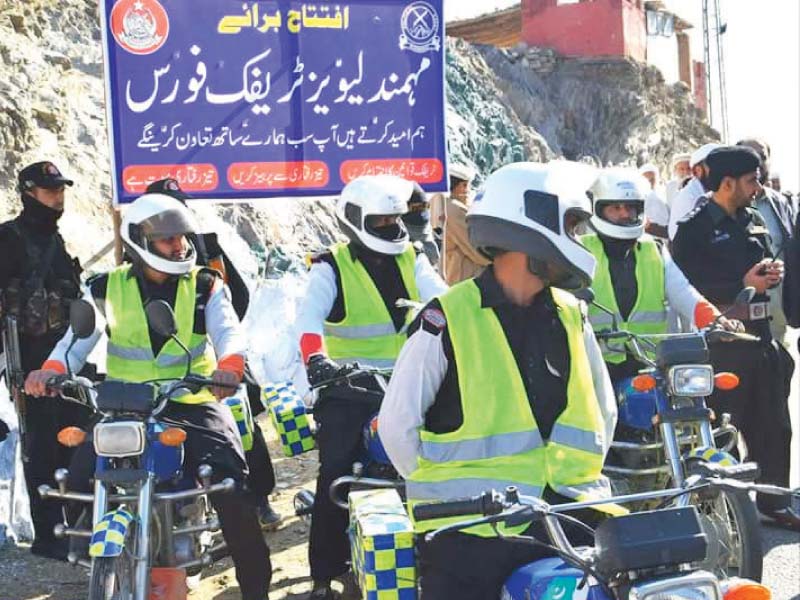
[25,577]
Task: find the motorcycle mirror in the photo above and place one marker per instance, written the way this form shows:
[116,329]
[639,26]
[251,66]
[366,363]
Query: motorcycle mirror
[81,319]
[745,296]
[587,295]
[161,318]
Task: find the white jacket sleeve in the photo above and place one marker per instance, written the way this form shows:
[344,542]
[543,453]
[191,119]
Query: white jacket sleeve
[417,376]
[602,387]
[82,348]
[222,323]
[684,202]
[681,295]
[429,282]
[318,301]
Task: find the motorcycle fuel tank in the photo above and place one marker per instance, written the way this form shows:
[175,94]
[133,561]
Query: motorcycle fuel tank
[549,579]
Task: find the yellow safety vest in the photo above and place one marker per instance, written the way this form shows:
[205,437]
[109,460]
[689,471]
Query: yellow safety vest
[649,314]
[130,353]
[367,333]
[499,444]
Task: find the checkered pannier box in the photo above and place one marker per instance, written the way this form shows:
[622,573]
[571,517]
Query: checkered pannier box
[288,415]
[382,546]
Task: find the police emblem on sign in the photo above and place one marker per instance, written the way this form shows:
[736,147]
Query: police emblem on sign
[139,26]
[420,28]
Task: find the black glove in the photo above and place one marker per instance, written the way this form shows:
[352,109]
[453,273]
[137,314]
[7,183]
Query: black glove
[320,368]
[3,431]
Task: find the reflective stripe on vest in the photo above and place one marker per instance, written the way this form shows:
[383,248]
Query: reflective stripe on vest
[649,314]
[498,443]
[130,355]
[367,334]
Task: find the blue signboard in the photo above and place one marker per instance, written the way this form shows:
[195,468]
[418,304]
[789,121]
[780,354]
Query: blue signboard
[243,100]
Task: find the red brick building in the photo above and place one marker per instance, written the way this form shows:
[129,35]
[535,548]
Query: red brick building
[642,30]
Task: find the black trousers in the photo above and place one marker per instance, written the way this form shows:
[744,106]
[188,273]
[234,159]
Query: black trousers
[213,439]
[759,407]
[44,418]
[340,414]
[261,479]
[469,567]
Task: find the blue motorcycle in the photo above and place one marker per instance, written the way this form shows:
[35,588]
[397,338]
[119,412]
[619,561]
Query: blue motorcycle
[146,512]
[664,435]
[651,555]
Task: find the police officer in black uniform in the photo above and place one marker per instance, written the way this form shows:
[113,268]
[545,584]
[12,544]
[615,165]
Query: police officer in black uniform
[722,246]
[261,478]
[38,280]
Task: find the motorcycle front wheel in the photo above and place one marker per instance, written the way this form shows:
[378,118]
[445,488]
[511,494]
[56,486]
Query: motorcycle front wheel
[730,521]
[112,578]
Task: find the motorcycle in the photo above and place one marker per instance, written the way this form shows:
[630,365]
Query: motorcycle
[372,469]
[649,555]
[664,435]
[147,514]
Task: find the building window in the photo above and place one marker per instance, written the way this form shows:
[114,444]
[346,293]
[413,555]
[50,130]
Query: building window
[660,23]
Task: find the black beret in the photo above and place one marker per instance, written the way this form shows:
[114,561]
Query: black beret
[731,161]
[170,187]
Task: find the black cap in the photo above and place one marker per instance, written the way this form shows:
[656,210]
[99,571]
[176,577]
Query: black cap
[168,186]
[41,174]
[731,161]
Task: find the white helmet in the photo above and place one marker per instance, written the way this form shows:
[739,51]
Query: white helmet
[371,196]
[155,216]
[614,186]
[535,208]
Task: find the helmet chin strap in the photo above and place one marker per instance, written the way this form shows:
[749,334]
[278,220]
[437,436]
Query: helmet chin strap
[540,269]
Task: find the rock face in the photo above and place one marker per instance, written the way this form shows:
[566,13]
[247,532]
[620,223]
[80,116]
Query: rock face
[615,111]
[502,106]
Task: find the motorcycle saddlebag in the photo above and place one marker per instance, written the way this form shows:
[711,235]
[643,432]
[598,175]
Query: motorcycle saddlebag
[650,539]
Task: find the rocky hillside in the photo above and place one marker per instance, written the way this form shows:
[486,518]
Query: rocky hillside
[501,107]
[614,111]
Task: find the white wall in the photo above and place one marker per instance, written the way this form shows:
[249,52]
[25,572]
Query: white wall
[663,53]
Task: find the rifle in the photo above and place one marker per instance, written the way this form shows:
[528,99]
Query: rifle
[15,376]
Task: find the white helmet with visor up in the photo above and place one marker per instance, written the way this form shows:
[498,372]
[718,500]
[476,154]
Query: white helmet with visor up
[537,209]
[619,186]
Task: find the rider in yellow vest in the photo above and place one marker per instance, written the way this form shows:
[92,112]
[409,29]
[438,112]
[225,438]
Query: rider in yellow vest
[501,381]
[635,277]
[155,232]
[350,314]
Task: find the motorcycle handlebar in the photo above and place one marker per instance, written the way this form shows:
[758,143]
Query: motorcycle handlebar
[358,371]
[491,504]
[722,335]
[488,503]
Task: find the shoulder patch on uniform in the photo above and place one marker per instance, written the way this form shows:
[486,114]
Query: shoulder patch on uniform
[435,317]
[701,204]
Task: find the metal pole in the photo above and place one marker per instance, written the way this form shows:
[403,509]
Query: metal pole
[707,60]
[723,93]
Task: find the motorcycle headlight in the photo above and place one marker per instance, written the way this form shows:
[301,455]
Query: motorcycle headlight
[700,585]
[120,438]
[691,380]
